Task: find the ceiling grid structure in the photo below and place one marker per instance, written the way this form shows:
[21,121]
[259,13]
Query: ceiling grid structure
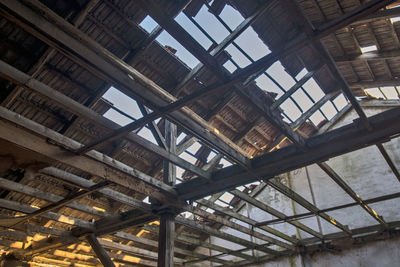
[250,90]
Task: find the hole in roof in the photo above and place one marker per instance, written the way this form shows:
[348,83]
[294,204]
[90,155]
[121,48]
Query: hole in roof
[266,84]
[222,204]
[227,197]
[185,56]
[117,117]
[291,110]
[329,110]
[374,92]
[390,92]
[252,44]
[395,19]
[240,188]
[316,118]
[148,24]
[210,210]
[180,137]
[340,101]
[313,89]
[211,25]
[186,214]
[123,102]
[146,200]
[231,17]
[211,156]
[179,172]
[193,30]
[124,109]
[230,66]
[280,75]
[300,97]
[237,56]
[301,74]
[186,156]
[146,134]
[370,48]
[194,148]
[225,163]
[286,118]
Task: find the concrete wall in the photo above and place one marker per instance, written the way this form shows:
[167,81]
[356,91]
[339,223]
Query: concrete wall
[375,254]
[367,173]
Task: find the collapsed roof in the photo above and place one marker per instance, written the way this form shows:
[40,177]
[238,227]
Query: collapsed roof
[88,86]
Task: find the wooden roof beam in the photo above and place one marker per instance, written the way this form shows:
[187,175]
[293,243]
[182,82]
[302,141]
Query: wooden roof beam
[230,213]
[327,59]
[275,212]
[123,76]
[58,204]
[27,209]
[336,142]
[197,242]
[306,204]
[375,83]
[197,50]
[381,14]
[99,250]
[229,237]
[154,244]
[20,78]
[83,182]
[228,223]
[228,40]
[370,56]
[307,214]
[94,162]
[325,29]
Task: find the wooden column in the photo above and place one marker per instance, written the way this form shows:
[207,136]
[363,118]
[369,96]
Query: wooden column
[99,250]
[170,140]
[167,217]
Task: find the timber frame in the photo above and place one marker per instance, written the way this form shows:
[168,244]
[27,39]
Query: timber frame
[74,182]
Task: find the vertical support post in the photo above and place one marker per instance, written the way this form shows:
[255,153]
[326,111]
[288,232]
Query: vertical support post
[99,250]
[170,140]
[166,240]
[167,217]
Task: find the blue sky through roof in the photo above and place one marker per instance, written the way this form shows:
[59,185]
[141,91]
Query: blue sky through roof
[249,43]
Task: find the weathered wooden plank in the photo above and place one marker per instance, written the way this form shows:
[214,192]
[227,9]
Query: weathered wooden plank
[238,216]
[238,227]
[20,207]
[84,183]
[95,163]
[197,242]
[99,250]
[55,205]
[336,142]
[370,56]
[226,236]
[123,76]
[166,235]
[131,250]
[275,212]
[69,104]
[375,83]
[154,244]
